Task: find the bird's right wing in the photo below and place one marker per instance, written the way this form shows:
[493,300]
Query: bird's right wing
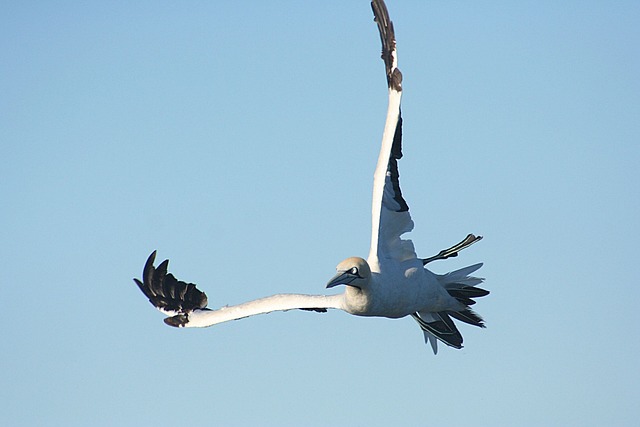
[186,305]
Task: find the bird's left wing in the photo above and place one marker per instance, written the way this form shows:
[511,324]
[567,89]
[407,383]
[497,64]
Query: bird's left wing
[390,212]
[186,306]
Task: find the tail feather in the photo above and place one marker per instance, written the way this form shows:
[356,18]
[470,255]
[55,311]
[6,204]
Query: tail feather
[463,288]
[463,300]
[464,291]
[461,276]
[439,326]
[465,295]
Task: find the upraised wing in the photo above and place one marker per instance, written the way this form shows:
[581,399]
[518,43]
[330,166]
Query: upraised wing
[390,212]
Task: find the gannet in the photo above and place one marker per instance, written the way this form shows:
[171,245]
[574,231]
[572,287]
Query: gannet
[392,282]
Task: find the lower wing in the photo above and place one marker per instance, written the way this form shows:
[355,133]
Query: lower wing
[186,306]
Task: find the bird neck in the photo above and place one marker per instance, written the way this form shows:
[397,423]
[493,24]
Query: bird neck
[357,301]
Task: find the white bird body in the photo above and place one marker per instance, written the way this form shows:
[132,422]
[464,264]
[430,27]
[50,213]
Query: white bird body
[398,291]
[410,288]
[391,283]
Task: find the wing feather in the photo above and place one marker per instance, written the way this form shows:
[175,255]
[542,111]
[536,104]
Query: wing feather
[168,294]
[186,305]
[390,211]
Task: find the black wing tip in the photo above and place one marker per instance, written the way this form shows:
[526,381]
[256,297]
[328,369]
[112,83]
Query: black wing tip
[148,266]
[444,329]
[177,321]
[388,39]
[169,294]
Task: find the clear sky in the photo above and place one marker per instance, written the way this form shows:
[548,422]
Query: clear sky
[239,138]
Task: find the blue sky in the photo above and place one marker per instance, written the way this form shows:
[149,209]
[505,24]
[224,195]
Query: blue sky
[239,140]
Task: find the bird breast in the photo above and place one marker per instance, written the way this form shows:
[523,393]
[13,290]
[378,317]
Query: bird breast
[357,301]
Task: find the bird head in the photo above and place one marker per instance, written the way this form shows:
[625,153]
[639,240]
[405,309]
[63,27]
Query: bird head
[352,271]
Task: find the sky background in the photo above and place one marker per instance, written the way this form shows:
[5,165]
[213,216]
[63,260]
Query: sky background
[239,139]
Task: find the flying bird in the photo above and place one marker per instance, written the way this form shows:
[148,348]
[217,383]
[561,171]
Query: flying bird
[392,282]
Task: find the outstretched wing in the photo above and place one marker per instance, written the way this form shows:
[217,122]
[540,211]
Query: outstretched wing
[390,212]
[186,306]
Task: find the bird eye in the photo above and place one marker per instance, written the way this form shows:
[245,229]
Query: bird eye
[354,271]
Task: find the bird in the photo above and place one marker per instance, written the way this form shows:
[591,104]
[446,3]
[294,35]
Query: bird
[392,282]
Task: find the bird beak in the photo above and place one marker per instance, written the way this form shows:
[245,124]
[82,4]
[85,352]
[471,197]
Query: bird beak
[342,278]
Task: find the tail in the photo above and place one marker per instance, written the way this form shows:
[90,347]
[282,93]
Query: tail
[463,288]
[439,326]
